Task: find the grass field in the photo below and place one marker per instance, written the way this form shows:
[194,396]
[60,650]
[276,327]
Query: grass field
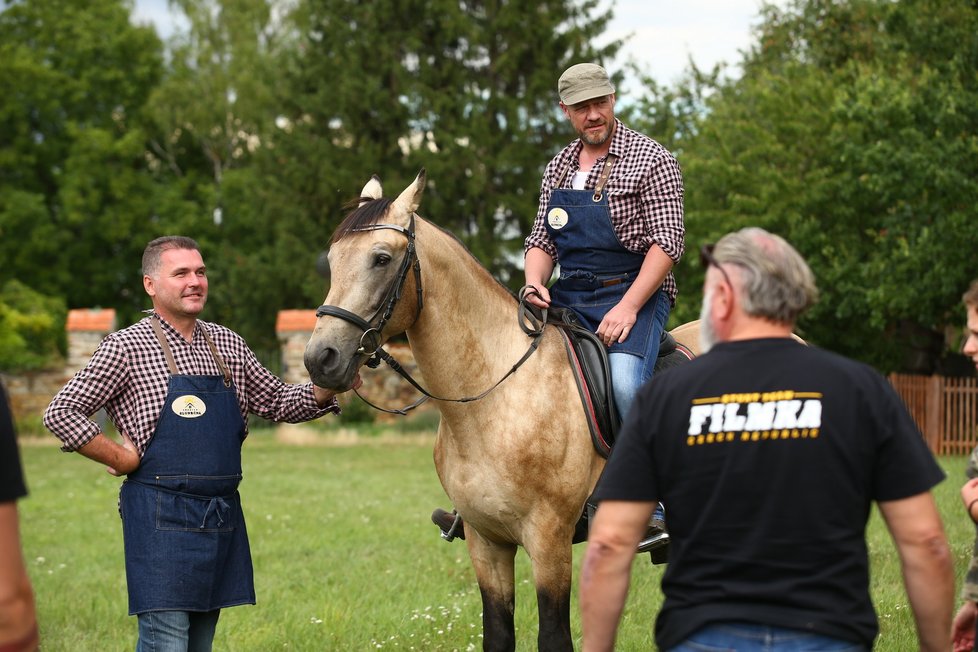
[345,556]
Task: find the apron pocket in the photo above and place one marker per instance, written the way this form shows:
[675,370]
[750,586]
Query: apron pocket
[185,513]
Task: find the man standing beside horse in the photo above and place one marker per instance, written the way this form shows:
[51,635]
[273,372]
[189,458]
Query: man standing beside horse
[179,391]
[771,454]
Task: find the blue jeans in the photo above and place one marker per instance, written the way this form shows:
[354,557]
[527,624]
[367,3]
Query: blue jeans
[629,372]
[177,631]
[751,637]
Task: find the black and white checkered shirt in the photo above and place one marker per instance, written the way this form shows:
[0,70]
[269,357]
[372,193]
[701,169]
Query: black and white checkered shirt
[645,196]
[128,376]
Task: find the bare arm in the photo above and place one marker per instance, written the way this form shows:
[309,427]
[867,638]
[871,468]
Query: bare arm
[928,571]
[18,620]
[617,322]
[120,459]
[606,571]
[538,267]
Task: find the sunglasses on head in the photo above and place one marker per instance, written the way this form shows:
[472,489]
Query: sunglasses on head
[707,259]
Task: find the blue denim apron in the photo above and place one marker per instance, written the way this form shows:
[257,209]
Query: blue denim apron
[595,268]
[185,539]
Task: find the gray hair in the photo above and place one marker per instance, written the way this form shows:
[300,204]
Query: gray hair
[154,250]
[776,282]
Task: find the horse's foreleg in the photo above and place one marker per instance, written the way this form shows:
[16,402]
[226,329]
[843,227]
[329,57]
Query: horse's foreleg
[552,572]
[494,570]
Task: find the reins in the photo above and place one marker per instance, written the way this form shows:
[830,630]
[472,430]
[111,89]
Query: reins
[534,329]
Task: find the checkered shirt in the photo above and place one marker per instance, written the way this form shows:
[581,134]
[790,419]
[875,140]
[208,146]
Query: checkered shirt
[645,196]
[969,589]
[129,377]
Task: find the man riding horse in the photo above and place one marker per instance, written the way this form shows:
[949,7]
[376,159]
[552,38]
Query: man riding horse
[611,213]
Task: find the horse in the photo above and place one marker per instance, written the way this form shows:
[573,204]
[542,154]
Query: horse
[518,463]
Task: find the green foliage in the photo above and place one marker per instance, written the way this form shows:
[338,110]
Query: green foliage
[75,201]
[851,133]
[466,90]
[32,333]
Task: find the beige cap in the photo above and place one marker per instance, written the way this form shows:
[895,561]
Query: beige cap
[583,81]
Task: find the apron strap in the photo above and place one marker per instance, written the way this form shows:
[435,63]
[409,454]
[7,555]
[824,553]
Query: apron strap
[222,365]
[609,162]
[172,363]
[158,329]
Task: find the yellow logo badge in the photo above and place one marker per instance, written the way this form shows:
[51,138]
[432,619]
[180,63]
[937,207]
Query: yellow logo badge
[189,407]
[557,218]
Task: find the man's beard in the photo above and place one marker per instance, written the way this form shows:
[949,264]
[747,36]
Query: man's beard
[601,139]
[708,334]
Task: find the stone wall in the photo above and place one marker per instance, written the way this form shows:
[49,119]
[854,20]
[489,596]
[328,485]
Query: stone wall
[381,386]
[30,393]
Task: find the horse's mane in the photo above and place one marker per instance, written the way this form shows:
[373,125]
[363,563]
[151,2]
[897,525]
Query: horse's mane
[366,211]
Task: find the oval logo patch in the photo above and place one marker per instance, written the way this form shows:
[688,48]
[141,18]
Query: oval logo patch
[557,218]
[189,407]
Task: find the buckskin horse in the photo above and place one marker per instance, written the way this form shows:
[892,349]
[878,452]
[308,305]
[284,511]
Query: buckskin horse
[518,463]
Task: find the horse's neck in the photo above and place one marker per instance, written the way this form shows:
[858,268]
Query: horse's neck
[468,326]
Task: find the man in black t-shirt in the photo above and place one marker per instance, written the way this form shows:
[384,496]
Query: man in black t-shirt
[769,454]
[18,624]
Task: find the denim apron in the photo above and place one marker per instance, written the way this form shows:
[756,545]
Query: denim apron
[595,268]
[185,539]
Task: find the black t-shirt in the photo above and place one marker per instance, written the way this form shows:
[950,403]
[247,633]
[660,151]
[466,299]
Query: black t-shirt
[767,455]
[11,475]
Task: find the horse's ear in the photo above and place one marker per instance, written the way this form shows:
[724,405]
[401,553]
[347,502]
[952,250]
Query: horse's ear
[410,199]
[373,189]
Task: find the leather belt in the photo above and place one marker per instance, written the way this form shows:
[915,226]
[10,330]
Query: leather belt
[612,281]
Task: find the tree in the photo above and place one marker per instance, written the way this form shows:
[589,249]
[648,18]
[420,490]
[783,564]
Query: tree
[851,133]
[73,198]
[465,89]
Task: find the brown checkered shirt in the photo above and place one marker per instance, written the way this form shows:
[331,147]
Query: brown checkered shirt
[645,196]
[128,376]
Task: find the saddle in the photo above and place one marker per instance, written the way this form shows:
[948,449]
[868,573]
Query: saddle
[588,357]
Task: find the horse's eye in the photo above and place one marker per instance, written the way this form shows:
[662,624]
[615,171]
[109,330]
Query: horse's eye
[381,260]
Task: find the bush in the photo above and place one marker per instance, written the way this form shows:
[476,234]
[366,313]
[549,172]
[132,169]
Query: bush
[32,334]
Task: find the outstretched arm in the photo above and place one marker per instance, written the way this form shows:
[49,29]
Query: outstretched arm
[928,570]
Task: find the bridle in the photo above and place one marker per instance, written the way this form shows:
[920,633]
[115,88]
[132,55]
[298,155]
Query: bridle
[372,333]
[394,293]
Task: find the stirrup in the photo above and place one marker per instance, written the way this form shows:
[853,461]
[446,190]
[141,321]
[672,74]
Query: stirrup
[657,545]
[449,523]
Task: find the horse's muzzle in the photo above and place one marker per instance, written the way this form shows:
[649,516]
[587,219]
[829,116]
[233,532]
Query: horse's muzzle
[328,368]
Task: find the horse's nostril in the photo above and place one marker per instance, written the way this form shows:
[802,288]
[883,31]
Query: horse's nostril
[329,357]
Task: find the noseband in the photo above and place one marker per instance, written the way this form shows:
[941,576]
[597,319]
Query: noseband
[372,334]
[394,292]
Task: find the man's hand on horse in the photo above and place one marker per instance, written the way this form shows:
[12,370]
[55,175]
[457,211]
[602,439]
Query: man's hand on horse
[537,295]
[324,396]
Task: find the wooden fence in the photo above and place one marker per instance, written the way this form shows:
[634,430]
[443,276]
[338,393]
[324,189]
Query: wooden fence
[945,409]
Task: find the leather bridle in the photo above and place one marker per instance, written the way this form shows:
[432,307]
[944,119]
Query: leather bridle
[394,293]
[372,333]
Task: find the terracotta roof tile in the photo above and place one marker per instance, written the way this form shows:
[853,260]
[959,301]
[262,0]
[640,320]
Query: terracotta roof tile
[295,320]
[91,319]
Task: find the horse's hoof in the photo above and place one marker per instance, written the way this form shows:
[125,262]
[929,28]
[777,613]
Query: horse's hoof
[450,524]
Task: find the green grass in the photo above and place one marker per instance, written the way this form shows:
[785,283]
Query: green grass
[345,556]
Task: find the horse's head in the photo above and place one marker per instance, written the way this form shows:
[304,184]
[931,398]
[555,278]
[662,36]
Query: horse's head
[375,285]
